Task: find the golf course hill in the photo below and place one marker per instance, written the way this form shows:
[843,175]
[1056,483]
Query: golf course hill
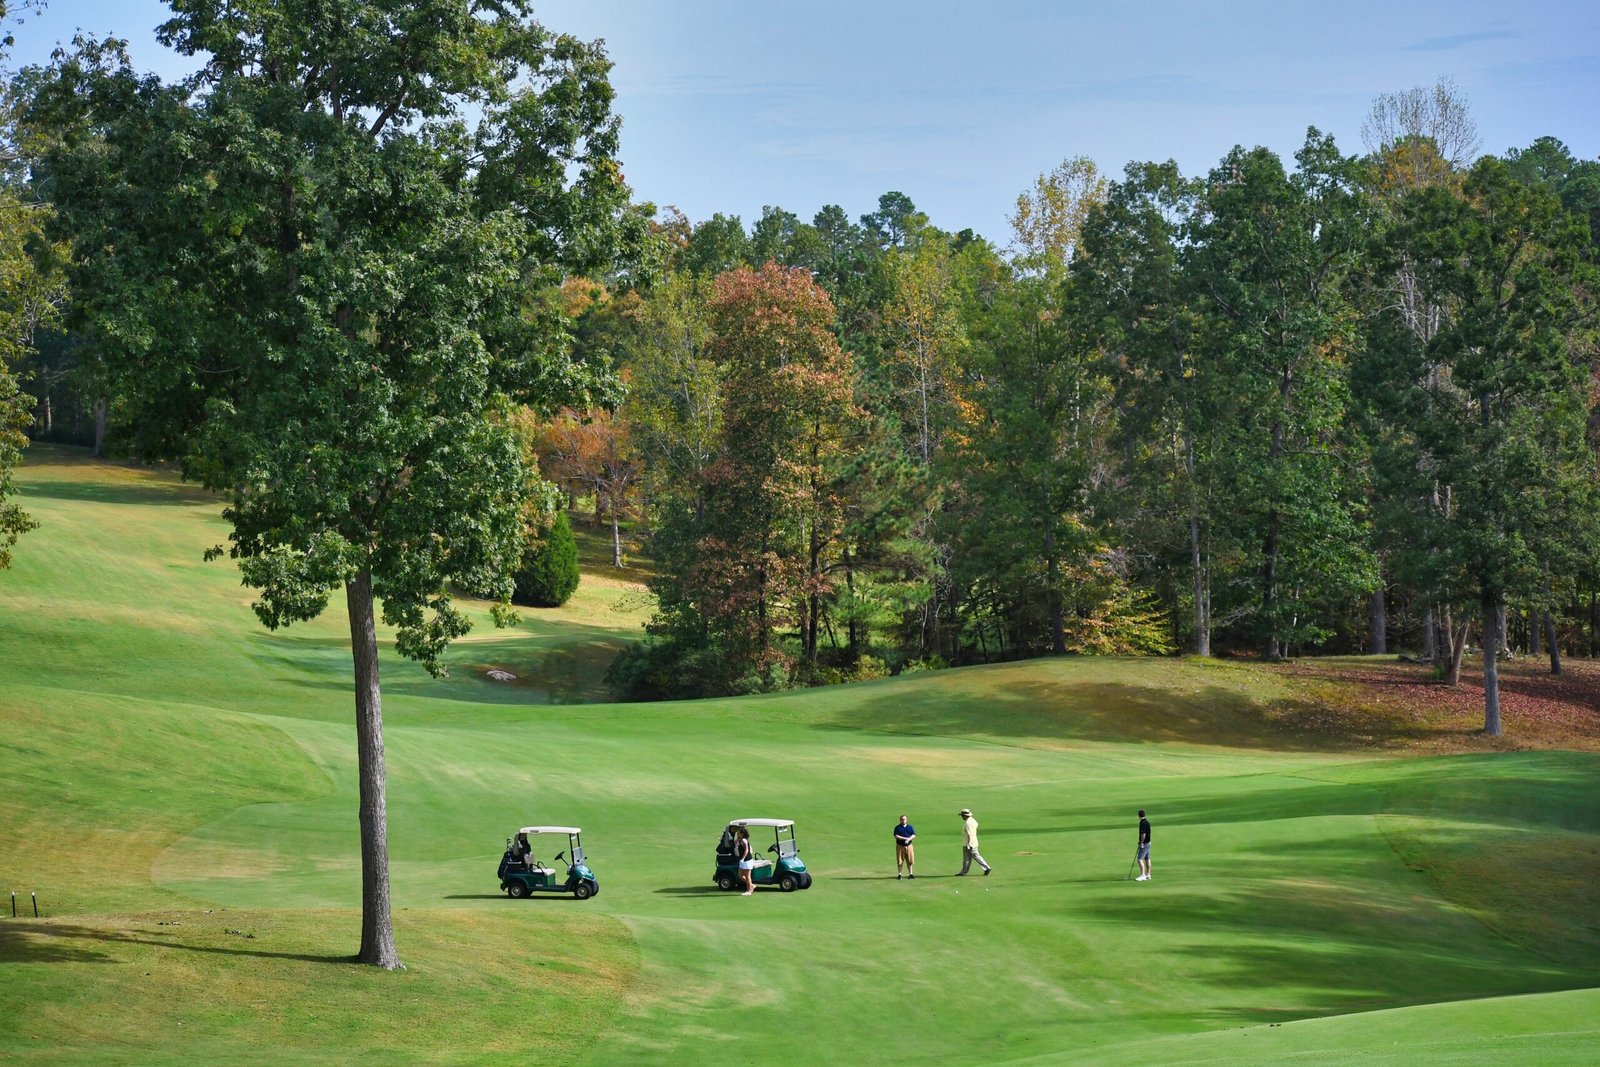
[1343,867]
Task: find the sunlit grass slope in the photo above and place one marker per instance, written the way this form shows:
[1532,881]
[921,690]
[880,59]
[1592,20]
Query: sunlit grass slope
[180,788]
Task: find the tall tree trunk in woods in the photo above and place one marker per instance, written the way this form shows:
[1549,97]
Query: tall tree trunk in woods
[1493,632]
[1269,586]
[850,625]
[1202,592]
[377,923]
[616,540]
[1455,643]
[1058,630]
[1380,624]
[1594,624]
[1430,648]
[1550,641]
[1535,628]
[100,426]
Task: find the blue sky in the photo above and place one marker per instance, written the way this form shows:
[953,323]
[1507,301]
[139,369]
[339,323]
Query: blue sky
[730,106]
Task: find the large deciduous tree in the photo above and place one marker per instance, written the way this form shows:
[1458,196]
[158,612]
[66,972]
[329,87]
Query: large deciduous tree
[1270,257]
[307,266]
[31,288]
[1491,407]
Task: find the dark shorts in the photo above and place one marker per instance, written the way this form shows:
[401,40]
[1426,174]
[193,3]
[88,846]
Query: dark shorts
[1144,851]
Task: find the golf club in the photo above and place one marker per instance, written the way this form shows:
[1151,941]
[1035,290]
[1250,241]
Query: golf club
[1131,867]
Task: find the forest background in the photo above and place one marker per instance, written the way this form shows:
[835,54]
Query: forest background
[1345,402]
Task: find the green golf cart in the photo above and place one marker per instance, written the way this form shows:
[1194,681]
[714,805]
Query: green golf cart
[784,869]
[523,874]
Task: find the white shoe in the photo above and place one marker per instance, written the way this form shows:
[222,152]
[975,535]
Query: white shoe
[1142,878]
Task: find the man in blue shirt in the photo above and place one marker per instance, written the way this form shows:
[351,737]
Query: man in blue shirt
[904,834]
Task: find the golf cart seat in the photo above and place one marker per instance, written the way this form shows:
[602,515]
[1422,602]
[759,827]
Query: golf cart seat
[542,870]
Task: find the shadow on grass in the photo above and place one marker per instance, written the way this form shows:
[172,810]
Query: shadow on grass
[53,942]
[1538,791]
[1351,945]
[162,494]
[693,891]
[1104,711]
[568,670]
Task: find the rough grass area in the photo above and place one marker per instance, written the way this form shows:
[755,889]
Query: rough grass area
[1339,874]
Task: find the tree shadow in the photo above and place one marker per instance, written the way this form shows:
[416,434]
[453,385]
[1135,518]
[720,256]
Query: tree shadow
[1350,950]
[1035,708]
[152,493]
[694,891]
[1536,790]
[55,942]
[568,672]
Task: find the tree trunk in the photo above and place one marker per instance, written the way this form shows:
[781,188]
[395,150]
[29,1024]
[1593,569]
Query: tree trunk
[1534,626]
[1456,640]
[1269,588]
[1058,629]
[1550,641]
[1380,624]
[616,541]
[1202,592]
[1594,624]
[1430,649]
[377,923]
[100,426]
[1493,623]
[851,637]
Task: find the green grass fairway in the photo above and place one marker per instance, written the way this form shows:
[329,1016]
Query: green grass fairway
[178,785]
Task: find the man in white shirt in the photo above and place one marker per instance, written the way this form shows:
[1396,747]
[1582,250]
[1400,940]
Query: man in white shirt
[969,844]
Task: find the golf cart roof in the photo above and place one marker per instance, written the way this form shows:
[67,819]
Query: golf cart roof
[549,830]
[761,822]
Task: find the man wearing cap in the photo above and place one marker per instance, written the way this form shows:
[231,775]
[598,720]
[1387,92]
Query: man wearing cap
[969,844]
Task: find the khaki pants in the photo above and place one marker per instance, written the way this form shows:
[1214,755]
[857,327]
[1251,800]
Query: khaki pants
[968,854]
[905,854]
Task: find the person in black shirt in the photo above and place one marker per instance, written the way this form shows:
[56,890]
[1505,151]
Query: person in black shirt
[1144,848]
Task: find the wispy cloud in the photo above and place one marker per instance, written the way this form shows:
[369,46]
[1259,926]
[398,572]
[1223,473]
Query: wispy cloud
[1460,40]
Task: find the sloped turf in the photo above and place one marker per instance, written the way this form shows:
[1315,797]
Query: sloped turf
[180,788]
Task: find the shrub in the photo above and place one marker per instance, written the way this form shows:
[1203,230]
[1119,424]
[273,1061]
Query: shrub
[549,571]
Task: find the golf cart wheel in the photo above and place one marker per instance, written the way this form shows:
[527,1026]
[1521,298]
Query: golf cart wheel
[516,890]
[788,883]
[725,881]
[583,891]
[805,880]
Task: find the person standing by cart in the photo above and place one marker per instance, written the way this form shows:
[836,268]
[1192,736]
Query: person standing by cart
[742,852]
[969,844]
[904,855]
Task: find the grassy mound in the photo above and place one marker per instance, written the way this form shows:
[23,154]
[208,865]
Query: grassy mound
[181,792]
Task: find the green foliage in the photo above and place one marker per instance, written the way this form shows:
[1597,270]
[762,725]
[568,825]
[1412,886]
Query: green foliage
[548,575]
[325,316]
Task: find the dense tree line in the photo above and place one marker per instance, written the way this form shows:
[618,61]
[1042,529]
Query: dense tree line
[1345,402]
[1342,404]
